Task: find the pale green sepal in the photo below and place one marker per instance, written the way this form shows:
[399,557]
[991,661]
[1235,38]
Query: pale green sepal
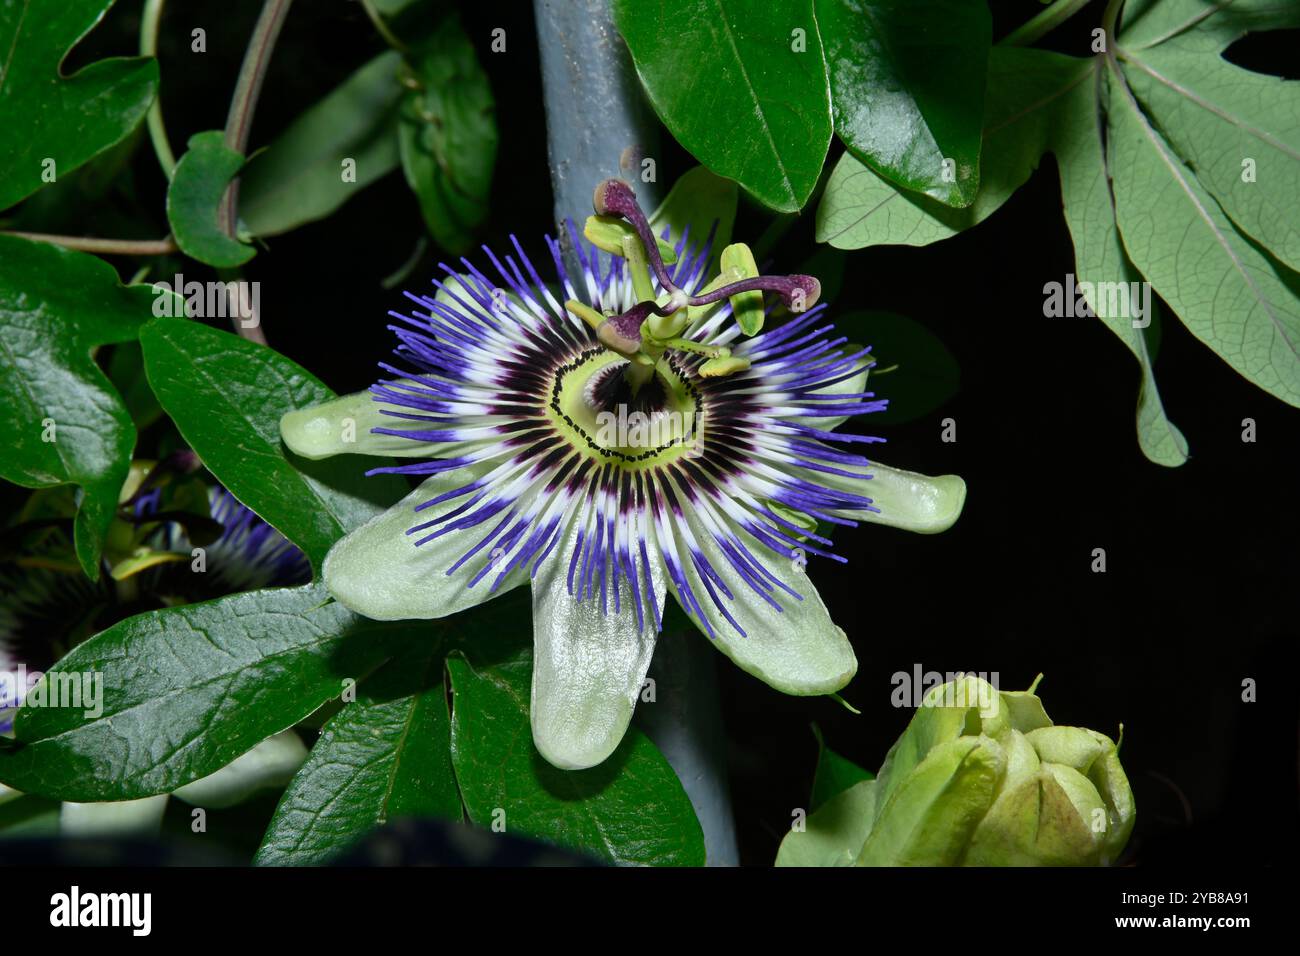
[269,765]
[906,499]
[379,572]
[114,818]
[855,385]
[835,833]
[929,819]
[342,426]
[589,665]
[797,650]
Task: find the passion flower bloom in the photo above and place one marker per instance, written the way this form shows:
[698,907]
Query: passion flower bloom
[47,606]
[514,395]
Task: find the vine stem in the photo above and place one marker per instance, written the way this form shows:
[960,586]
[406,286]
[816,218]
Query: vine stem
[149,47]
[239,121]
[595,113]
[1047,20]
[118,247]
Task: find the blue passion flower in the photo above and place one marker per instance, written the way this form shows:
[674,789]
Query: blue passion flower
[610,438]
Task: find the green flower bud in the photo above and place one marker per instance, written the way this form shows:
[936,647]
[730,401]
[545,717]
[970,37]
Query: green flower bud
[979,778]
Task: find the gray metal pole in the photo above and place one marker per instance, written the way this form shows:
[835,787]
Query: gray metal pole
[596,119]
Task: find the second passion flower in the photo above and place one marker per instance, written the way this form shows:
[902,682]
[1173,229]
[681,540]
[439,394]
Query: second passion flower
[624,443]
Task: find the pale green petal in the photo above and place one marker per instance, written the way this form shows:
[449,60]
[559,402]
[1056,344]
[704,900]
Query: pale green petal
[906,500]
[797,650]
[115,818]
[8,793]
[342,426]
[588,666]
[269,765]
[378,571]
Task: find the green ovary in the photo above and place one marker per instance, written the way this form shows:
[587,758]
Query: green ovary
[595,410]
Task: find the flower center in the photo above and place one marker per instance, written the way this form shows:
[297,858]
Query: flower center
[595,407]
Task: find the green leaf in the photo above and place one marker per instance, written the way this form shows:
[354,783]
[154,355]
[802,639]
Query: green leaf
[64,423]
[741,85]
[49,117]
[299,178]
[861,209]
[629,810]
[184,691]
[1227,291]
[226,396]
[1211,24]
[1239,131]
[1100,260]
[448,135]
[699,204]
[907,87]
[194,201]
[834,775]
[923,373]
[384,756]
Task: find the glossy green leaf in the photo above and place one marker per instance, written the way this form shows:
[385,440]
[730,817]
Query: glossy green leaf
[907,87]
[923,373]
[304,174]
[227,395]
[186,690]
[861,209]
[741,85]
[53,123]
[834,774]
[194,201]
[629,810]
[270,765]
[1228,292]
[1101,263]
[385,756]
[64,423]
[448,135]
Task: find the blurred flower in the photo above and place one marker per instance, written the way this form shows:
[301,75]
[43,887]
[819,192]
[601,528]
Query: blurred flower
[47,606]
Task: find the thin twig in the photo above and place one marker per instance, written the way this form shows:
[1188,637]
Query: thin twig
[117,247]
[239,121]
[149,47]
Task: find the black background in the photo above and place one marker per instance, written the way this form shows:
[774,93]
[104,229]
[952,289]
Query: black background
[1199,592]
